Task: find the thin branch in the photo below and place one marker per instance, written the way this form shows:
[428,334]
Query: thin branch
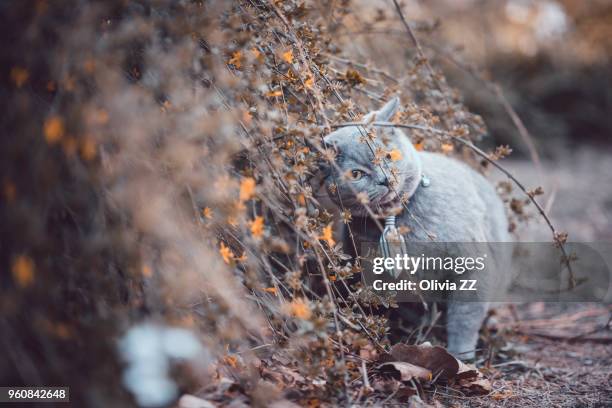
[491,86]
[363,66]
[421,54]
[502,99]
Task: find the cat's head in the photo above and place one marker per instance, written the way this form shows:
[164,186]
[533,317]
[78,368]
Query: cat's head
[377,170]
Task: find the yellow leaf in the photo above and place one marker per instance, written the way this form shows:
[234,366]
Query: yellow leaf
[419,146]
[247,117]
[226,253]
[69,83]
[23,271]
[166,106]
[69,144]
[247,188]
[19,76]
[231,361]
[395,155]
[207,213]
[272,94]
[88,149]
[236,59]
[258,55]
[147,272]
[353,77]
[309,82]
[288,56]
[233,221]
[9,190]
[447,148]
[300,308]
[327,236]
[100,117]
[271,290]
[89,65]
[62,331]
[301,200]
[257,227]
[53,129]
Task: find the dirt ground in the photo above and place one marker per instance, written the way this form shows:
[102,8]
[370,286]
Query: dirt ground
[553,356]
[558,354]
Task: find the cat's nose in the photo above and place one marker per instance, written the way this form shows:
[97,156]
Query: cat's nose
[384,182]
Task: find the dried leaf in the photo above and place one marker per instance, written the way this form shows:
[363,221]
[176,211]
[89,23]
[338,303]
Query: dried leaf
[405,371]
[300,308]
[440,362]
[466,371]
[233,221]
[19,76]
[479,386]
[288,56]
[247,188]
[327,236]
[226,253]
[447,148]
[88,149]
[207,212]
[257,227]
[395,155]
[236,59]
[353,77]
[231,361]
[275,93]
[53,129]
[309,82]
[23,271]
[147,272]
[257,54]
[9,190]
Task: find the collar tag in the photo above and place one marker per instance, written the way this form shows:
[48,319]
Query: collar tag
[392,243]
[425,181]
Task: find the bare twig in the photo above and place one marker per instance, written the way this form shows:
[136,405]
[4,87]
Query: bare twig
[421,54]
[503,100]
[363,66]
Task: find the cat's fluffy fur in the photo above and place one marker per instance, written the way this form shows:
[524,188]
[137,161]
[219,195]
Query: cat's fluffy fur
[459,205]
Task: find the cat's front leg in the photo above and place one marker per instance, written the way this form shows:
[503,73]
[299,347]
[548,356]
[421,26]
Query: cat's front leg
[463,324]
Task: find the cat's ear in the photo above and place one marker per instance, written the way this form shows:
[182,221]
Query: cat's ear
[385,113]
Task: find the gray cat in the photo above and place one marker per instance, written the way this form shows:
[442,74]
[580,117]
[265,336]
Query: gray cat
[448,202]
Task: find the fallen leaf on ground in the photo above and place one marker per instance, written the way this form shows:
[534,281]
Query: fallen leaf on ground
[404,371]
[466,371]
[479,386]
[436,359]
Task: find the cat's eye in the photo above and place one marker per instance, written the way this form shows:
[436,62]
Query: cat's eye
[357,174]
